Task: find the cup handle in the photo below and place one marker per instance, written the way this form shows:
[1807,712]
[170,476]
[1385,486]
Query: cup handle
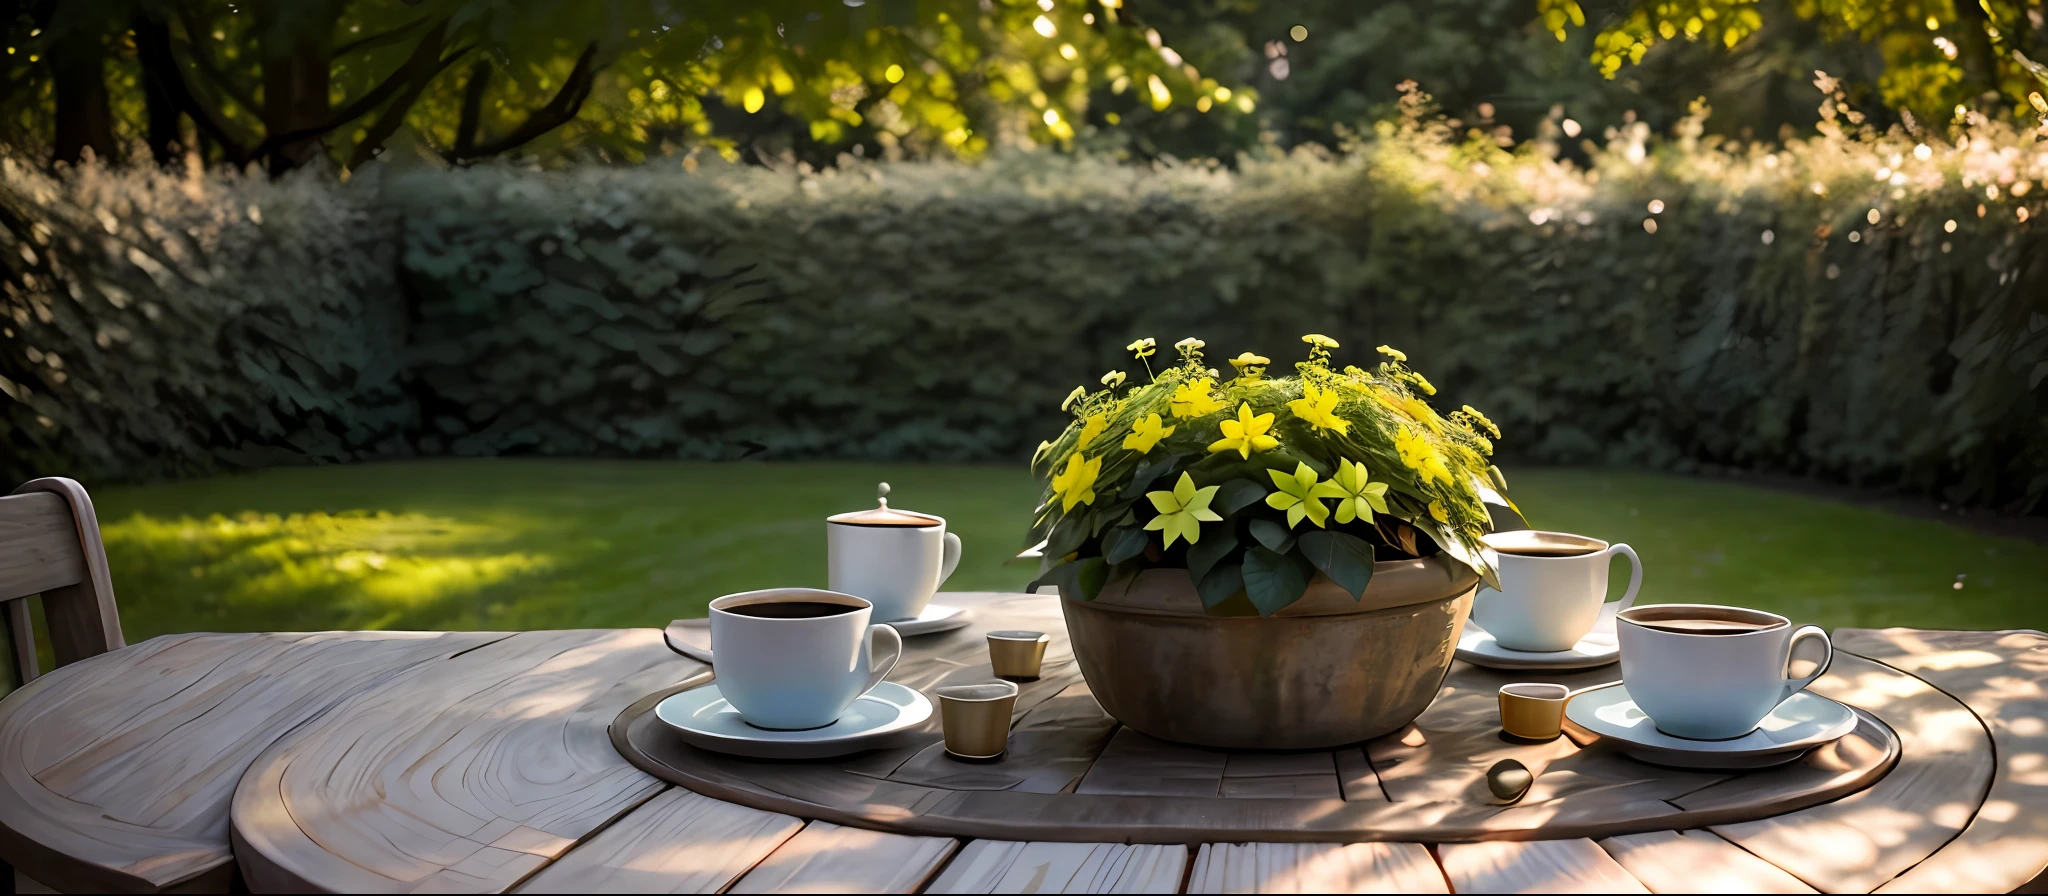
[1635,575]
[951,558]
[878,670]
[1792,650]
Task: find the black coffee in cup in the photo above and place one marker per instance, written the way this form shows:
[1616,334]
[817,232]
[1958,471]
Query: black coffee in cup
[1706,626]
[1547,550]
[791,609]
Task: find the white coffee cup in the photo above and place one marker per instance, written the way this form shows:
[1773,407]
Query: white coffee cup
[796,671]
[898,567]
[1551,587]
[1719,673]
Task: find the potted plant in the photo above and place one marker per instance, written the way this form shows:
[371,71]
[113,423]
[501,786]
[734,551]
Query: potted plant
[1260,561]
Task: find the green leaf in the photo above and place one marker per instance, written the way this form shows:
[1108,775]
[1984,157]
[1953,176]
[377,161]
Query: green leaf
[1216,544]
[1222,583]
[1284,460]
[1346,559]
[1066,537]
[1148,473]
[1236,495]
[1272,580]
[1123,544]
[1081,579]
[1106,516]
[1274,535]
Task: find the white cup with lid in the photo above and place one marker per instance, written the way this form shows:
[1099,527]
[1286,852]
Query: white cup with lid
[895,559]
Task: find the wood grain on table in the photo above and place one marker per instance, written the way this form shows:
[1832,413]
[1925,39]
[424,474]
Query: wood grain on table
[1858,842]
[118,770]
[480,762]
[2003,678]
[1315,868]
[827,858]
[1008,866]
[469,774]
[678,842]
[1534,866]
[1697,862]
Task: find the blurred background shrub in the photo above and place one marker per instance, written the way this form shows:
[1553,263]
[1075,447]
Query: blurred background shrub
[1857,305]
[157,325]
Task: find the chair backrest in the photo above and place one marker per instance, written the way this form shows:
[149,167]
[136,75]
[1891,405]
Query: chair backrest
[50,545]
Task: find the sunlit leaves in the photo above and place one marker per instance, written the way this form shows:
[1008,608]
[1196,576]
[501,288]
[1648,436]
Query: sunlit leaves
[1924,69]
[924,77]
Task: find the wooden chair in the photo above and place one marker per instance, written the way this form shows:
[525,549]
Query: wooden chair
[50,545]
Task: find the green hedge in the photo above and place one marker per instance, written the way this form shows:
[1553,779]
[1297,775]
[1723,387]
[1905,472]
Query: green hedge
[933,310]
[156,326]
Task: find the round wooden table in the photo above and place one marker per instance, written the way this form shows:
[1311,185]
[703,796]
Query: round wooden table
[360,762]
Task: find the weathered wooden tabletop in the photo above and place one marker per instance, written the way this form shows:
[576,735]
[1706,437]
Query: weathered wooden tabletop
[360,762]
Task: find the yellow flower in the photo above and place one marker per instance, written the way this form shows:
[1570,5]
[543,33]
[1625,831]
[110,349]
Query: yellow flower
[1318,407]
[1113,378]
[1482,420]
[1422,383]
[1415,409]
[1192,399]
[1091,429]
[1393,353]
[1077,393]
[1145,433]
[1357,497]
[1436,509]
[1249,360]
[1190,344]
[1319,340]
[1183,510]
[1422,457]
[1246,434]
[1143,348]
[1076,484]
[1297,496]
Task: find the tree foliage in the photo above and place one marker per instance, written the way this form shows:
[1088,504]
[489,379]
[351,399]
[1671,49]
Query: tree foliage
[1936,54]
[283,82]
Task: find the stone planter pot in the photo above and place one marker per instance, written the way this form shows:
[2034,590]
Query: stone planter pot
[1323,672]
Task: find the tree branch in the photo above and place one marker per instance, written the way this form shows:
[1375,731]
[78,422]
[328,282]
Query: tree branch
[472,106]
[419,68]
[561,110]
[393,116]
[194,31]
[215,75]
[159,63]
[379,39]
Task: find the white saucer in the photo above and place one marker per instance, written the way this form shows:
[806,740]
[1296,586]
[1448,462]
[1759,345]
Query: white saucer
[1801,723]
[1598,648]
[703,719]
[935,618]
[692,637]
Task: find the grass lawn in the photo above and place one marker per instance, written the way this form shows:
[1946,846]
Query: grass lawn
[523,544]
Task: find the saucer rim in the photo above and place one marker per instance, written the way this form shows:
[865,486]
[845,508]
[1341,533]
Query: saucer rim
[1694,747]
[920,625]
[1507,658]
[919,707]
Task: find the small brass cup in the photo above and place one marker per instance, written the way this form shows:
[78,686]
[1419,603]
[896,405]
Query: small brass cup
[1016,655]
[1533,710]
[976,718]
